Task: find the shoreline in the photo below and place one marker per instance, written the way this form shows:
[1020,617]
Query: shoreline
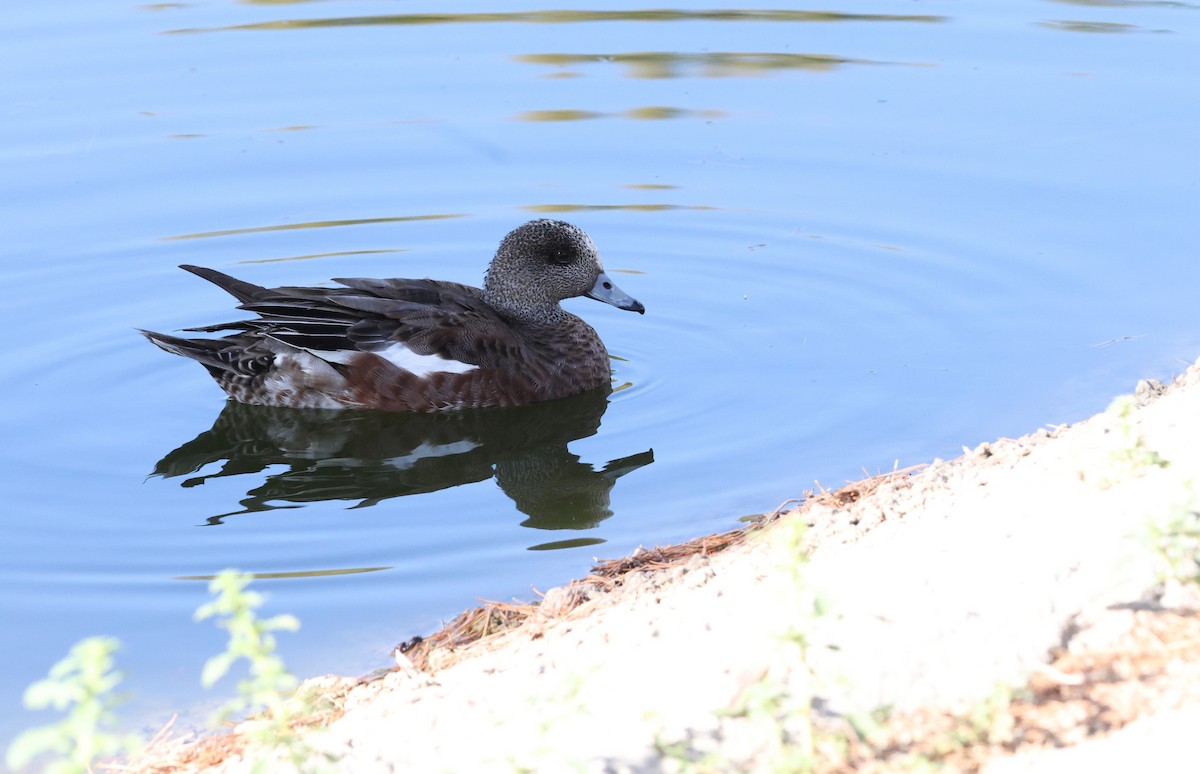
[972,613]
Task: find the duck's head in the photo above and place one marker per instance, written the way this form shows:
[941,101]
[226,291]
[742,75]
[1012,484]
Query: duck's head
[544,262]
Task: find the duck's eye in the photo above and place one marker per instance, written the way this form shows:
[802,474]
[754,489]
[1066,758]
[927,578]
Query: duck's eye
[561,257]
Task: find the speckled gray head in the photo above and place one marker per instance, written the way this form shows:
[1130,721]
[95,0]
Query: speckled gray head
[543,262]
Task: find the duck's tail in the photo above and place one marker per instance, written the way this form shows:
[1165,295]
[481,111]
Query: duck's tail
[245,292]
[210,353]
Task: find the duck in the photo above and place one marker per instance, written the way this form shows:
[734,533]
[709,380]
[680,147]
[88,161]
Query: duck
[418,345]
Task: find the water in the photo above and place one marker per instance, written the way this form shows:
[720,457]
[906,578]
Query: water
[865,234]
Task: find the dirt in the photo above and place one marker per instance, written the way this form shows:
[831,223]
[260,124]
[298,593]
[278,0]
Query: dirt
[1002,611]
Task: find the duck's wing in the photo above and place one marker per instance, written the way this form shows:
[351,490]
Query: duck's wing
[394,318]
[429,318]
[302,317]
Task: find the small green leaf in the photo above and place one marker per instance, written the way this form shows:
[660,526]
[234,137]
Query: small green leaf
[207,610]
[50,693]
[216,668]
[285,621]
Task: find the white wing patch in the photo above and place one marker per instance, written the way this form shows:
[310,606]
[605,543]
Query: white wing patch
[422,365]
[397,354]
[401,356]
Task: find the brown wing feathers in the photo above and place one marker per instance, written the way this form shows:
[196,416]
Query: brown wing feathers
[428,316]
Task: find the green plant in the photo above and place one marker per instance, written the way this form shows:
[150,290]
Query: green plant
[782,707]
[686,759]
[1176,539]
[780,711]
[267,691]
[554,702]
[990,720]
[777,708]
[1132,453]
[250,638]
[82,684]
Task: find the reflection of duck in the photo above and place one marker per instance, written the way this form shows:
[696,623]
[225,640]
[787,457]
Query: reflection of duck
[557,491]
[419,345]
[370,456]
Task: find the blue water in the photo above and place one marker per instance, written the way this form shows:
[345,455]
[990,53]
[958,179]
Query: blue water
[865,234]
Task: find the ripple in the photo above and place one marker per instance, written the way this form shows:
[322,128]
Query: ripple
[574,17]
[1128,3]
[648,113]
[292,574]
[1108,28]
[337,254]
[552,208]
[707,64]
[310,224]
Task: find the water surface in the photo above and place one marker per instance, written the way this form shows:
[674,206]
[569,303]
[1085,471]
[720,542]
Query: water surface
[866,234]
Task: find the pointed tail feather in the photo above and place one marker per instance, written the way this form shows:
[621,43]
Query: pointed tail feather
[207,352]
[240,289]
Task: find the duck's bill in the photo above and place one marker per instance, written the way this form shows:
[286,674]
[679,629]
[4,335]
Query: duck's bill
[607,291]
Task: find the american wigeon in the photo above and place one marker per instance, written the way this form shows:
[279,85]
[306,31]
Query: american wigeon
[419,344]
